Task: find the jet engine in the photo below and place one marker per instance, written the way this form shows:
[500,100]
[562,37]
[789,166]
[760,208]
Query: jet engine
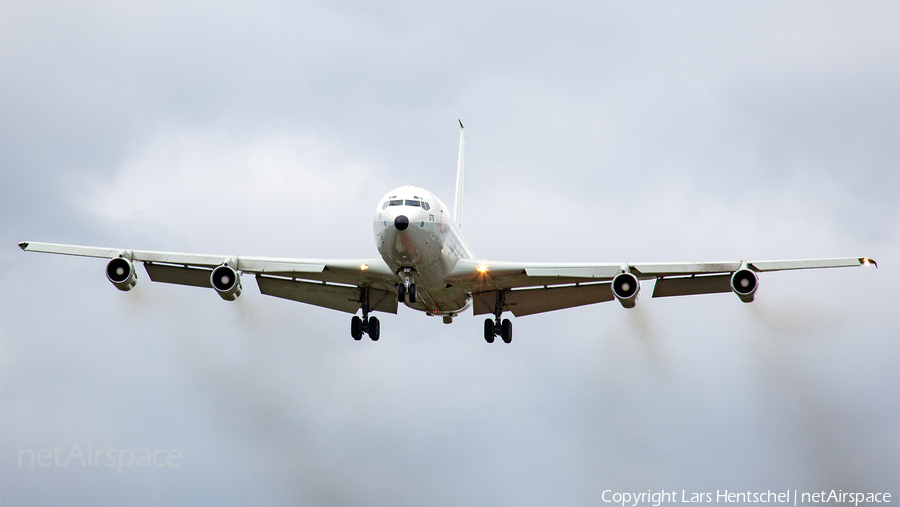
[227,282]
[625,287]
[121,273]
[744,283]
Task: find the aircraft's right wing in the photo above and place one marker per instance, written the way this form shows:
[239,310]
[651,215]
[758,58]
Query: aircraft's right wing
[339,284]
[527,288]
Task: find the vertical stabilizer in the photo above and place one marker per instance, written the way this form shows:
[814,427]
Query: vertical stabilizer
[458,209]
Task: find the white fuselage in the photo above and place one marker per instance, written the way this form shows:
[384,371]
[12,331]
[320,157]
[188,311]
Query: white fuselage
[428,243]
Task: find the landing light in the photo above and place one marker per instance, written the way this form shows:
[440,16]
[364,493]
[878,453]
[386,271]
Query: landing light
[481,269]
[363,267]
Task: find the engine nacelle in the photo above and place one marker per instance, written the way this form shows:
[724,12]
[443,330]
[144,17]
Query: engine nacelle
[121,273]
[744,283]
[625,287]
[227,282]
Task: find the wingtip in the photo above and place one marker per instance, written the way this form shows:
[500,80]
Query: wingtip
[460,124]
[865,261]
[23,245]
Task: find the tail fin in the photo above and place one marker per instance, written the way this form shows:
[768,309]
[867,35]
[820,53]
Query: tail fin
[458,209]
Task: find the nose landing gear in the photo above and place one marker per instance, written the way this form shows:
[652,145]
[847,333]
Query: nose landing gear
[408,288]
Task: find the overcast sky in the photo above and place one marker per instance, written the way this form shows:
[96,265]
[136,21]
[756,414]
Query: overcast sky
[596,131]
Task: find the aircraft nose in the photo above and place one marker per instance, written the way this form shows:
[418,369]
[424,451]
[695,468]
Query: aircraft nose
[401,222]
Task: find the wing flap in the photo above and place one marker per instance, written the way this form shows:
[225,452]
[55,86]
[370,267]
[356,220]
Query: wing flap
[690,285]
[197,277]
[484,302]
[336,297]
[531,301]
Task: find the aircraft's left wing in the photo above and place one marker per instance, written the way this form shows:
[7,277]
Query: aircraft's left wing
[527,288]
[340,284]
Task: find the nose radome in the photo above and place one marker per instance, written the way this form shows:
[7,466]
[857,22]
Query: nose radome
[401,222]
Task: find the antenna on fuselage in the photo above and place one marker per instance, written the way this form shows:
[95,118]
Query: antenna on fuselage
[458,209]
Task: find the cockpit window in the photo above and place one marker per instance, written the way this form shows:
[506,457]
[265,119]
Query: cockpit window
[406,202]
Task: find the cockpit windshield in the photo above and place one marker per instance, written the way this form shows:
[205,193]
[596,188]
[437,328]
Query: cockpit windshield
[407,202]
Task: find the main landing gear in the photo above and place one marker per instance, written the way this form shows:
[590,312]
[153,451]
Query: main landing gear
[408,288]
[497,327]
[369,326]
[365,325]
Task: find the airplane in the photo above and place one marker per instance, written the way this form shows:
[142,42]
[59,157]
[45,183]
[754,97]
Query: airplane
[426,264]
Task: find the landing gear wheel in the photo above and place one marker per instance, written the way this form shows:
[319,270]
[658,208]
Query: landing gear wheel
[506,331]
[489,330]
[374,329]
[401,293]
[412,293]
[356,328]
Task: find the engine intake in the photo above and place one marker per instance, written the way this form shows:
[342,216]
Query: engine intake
[625,287]
[227,282]
[121,273]
[744,283]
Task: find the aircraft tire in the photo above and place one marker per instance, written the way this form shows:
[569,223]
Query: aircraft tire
[401,293]
[374,329]
[506,331]
[412,293]
[489,330]
[356,328]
